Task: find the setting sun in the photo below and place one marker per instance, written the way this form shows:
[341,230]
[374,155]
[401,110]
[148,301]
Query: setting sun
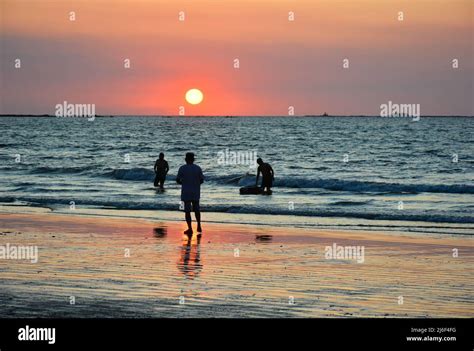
[194,96]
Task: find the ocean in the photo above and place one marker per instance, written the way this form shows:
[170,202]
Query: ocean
[367,173]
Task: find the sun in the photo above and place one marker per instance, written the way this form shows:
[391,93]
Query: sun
[194,96]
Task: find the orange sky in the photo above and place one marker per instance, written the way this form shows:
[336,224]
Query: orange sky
[282,63]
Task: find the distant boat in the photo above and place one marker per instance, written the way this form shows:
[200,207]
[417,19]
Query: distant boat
[323,115]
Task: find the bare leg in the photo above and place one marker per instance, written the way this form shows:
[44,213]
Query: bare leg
[188,221]
[198,220]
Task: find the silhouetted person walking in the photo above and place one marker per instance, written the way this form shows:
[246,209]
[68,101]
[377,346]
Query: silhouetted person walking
[267,175]
[190,177]
[161,170]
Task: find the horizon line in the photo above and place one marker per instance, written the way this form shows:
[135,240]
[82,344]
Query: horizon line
[227,116]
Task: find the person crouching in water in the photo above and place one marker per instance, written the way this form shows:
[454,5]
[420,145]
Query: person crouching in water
[161,170]
[190,177]
[268,176]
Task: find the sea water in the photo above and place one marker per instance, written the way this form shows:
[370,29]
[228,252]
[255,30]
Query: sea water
[349,172]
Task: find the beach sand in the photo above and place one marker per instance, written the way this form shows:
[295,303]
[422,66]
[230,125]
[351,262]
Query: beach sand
[233,271]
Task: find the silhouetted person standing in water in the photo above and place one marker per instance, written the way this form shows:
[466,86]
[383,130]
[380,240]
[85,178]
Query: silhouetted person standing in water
[190,177]
[267,175]
[161,170]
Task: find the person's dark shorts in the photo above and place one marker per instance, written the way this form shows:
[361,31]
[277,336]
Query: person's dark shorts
[267,182]
[193,203]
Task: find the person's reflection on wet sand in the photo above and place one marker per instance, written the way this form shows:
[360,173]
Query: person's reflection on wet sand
[263,238]
[160,232]
[190,259]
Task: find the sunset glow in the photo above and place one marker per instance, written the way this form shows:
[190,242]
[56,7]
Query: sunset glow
[248,57]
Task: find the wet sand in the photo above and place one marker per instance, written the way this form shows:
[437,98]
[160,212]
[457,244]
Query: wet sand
[122,267]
